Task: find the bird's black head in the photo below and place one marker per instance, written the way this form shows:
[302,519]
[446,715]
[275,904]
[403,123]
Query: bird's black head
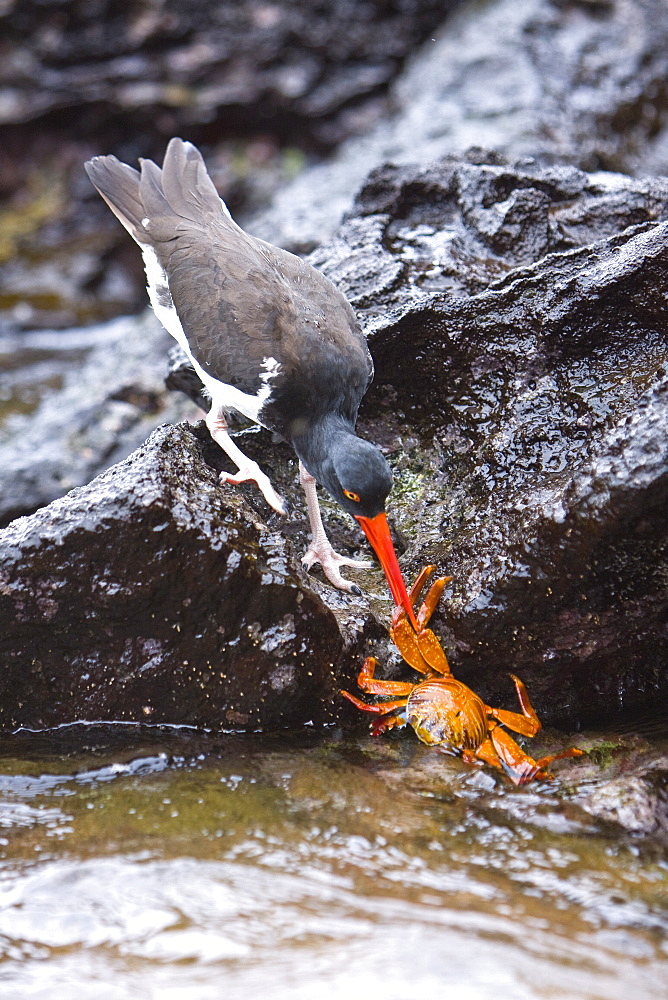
[357,476]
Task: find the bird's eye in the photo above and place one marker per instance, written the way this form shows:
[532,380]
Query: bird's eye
[351,495]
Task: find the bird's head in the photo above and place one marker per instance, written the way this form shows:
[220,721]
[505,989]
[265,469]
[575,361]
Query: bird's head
[359,479]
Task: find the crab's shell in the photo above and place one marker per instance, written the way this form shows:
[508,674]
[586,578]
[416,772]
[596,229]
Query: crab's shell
[445,711]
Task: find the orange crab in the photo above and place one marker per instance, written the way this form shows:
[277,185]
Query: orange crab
[443,711]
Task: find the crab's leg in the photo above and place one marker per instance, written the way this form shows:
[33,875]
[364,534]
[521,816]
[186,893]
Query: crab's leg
[406,641]
[527,724]
[399,613]
[520,768]
[379,726]
[432,651]
[386,687]
[485,754]
[573,752]
[420,581]
[428,646]
[383,708]
[421,650]
[367,682]
[527,708]
[431,600]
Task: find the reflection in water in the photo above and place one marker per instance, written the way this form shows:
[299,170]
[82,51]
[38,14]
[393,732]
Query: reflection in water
[168,865]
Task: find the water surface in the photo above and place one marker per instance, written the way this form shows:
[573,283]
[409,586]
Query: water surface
[146,863]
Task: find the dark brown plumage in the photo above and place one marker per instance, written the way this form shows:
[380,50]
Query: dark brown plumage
[267,334]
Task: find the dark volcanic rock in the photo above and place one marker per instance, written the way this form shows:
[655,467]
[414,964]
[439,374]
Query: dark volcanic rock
[517,319]
[575,82]
[518,325]
[161,64]
[106,407]
[636,801]
[154,594]
[260,86]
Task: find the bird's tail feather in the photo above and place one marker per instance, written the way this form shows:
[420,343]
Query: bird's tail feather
[155,206]
[186,183]
[149,204]
[119,186]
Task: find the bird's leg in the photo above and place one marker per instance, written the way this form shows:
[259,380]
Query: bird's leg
[249,471]
[320,550]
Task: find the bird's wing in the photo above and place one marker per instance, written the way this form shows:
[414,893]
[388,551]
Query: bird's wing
[240,301]
[235,316]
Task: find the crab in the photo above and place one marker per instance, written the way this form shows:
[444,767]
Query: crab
[444,712]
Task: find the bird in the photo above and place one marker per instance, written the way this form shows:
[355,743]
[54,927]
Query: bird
[269,337]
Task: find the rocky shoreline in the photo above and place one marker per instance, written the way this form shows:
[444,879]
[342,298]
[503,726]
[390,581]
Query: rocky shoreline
[514,298]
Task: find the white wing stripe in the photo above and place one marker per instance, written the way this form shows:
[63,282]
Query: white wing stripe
[223,397]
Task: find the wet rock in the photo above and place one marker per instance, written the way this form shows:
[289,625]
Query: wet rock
[516,315]
[264,89]
[162,64]
[267,84]
[574,82]
[104,407]
[622,779]
[154,594]
[517,321]
[61,263]
[637,803]
[618,788]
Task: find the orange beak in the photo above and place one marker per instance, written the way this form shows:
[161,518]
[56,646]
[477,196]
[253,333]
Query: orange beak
[377,531]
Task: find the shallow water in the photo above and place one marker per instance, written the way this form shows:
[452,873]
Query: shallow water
[168,864]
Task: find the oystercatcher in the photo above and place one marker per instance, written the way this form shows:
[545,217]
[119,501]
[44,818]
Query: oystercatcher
[268,335]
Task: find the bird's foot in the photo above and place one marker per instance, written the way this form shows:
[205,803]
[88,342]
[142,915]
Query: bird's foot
[331,562]
[252,473]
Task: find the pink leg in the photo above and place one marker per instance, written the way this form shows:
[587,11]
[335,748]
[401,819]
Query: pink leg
[368,682]
[320,550]
[382,708]
[485,754]
[383,725]
[248,471]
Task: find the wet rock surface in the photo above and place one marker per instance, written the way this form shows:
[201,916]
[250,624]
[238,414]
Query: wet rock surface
[530,427]
[161,64]
[573,82]
[638,803]
[106,404]
[267,89]
[153,594]
[516,314]
[262,87]
[516,311]
[527,419]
